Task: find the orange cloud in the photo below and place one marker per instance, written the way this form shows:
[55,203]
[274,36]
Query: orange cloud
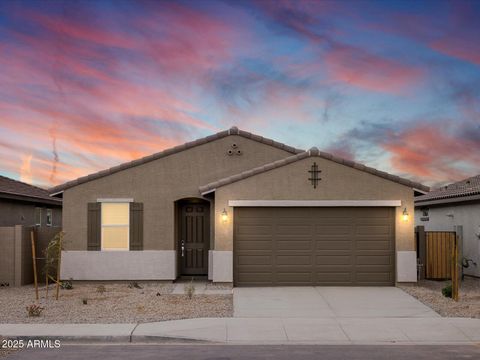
[26,169]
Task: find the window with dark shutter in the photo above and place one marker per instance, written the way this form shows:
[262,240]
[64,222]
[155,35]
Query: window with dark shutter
[136,226]
[94,226]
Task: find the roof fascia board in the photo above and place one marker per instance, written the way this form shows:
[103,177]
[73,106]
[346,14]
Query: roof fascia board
[314,203]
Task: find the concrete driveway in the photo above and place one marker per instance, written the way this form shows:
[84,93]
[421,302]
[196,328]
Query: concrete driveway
[327,302]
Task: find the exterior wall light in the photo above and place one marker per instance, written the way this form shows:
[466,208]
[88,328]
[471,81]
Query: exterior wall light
[405,215]
[224,216]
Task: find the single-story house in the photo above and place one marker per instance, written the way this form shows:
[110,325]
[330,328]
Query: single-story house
[241,208]
[25,204]
[457,204]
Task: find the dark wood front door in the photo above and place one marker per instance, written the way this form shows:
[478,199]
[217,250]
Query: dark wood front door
[194,238]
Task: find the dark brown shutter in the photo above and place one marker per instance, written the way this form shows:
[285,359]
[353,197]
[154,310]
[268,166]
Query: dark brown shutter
[136,226]
[94,224]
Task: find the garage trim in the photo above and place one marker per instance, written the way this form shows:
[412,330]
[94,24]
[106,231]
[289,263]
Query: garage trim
[314,203]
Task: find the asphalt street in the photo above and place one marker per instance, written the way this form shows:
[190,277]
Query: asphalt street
[249,352]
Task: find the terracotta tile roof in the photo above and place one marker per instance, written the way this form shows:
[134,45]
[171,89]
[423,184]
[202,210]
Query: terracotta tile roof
[232,131]
[312,152]
[465,188]
[18,189]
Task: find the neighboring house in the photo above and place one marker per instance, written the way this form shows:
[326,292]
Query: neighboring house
[24,204]
[24,208]
[457,204]
[237,207]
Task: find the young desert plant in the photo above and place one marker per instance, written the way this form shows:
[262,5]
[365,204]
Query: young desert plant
[101,289]
[84,301]
[447,291]
[189,289]
[135,285]
[34,310]
[67,284]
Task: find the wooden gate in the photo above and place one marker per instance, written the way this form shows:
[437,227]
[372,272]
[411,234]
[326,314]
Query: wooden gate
[439,248]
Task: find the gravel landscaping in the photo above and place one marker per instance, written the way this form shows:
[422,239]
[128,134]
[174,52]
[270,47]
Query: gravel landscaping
[430,293]
[119,303]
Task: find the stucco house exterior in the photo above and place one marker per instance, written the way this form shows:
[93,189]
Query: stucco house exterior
[457,204]
[25,204]
[238,207]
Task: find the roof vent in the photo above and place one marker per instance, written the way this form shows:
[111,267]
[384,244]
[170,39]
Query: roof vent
[233,130]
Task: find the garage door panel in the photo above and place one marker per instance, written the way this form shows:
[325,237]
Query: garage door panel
[336,230]
[298,244]
[254,230]
[284,278]
[292,259]
[333,259]
[300,230]
[314,246]
[334,277]
[373,230]
[254,260]
[254,245]
[334,245]
[372,277]
[253,278]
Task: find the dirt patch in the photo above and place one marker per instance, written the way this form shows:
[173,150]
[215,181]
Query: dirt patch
[430,293]
[118,304]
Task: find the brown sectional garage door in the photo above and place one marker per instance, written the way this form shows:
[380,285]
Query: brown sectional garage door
[314,246]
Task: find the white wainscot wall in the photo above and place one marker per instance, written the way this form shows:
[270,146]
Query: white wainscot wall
[119,265]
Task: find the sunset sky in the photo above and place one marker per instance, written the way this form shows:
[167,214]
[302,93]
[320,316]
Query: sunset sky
[86,85]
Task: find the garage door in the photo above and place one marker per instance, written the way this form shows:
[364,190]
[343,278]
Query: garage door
[314,246]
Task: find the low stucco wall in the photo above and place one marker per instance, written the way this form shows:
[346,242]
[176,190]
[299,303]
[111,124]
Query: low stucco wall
[119,265]
[446,218]
[16,266]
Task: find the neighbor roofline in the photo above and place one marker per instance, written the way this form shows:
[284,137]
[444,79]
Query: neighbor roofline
[448,200]
[313,152]
[174,150]
[30,198]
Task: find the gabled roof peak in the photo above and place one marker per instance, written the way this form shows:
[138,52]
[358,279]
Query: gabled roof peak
[232,131]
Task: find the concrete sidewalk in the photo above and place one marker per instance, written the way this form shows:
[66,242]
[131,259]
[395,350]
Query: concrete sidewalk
[264,331]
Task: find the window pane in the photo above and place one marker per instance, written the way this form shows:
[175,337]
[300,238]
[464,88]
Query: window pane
[115,237]
[115,213]
[38,216]
[49,217]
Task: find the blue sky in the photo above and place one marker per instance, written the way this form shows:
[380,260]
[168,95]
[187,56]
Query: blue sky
[88,85]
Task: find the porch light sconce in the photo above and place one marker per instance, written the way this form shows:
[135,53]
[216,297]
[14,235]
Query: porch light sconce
[224,216]
[405,215]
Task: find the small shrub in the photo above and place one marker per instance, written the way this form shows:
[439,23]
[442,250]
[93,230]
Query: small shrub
[67,284]
[190,289]
[101,289]
[84,301]
[135,285]
[447,291]
[34,310]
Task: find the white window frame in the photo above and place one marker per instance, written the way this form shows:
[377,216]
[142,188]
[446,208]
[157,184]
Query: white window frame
[116,201]
[39,209]
[49,211]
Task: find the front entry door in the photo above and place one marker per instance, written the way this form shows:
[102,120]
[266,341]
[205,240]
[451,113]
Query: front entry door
[194,239]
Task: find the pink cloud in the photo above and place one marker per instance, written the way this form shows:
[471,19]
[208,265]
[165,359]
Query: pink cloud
[357,67]
[431,152]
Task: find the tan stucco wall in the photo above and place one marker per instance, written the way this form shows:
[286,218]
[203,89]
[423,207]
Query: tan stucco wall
[290,182]
[158,184]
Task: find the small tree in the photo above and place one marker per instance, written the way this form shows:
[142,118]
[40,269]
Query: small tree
[52,255]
